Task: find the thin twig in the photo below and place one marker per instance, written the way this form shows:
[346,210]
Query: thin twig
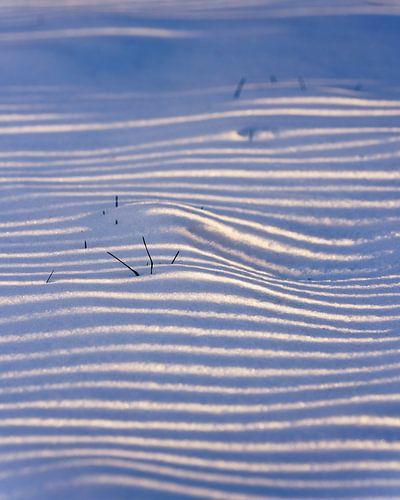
[176,255]
[302,83]
[49,278]
[239,88]
[123,263]
[148,253]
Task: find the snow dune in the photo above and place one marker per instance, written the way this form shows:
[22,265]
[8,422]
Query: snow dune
[264,361]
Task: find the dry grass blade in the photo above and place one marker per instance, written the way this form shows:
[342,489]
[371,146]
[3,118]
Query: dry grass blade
[239,88]
[176,255]
[148,253]
[124,264]
[49,278]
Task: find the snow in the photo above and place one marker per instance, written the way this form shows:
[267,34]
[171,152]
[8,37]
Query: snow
[262,362]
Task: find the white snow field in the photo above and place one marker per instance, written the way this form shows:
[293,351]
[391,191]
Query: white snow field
[265,361]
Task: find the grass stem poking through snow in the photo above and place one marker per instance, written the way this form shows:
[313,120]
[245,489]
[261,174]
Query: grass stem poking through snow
[176,255]
[116,202]
[124,264]
[49,278]
[302,83]
[239,88]
[85,244]
[148,253]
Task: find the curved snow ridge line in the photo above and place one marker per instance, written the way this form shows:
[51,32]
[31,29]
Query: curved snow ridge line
[267,242]
[95,32]
[183,141]
[89,272]
[353,283]
[208,217]
[135,481]
[212,477]
[263,288]
[185,120]
[192,388]
[237,447]
[355,423]
[38,117]
[266,160]
[113,160]
[313,220]
[220,264]
[130,188]
[236,173]
[339,287]
[325,100]
[268,287]
[144,325]
[319,287]
[138,187]
[218,464]
[366,445]
[227,137]
[236,228]
[334,131]
[215,298]
[310,202]
[223,198]
[154,328]
[208,262]
[279,318]
[42,232]
[252,235]
[232,270]
[196,370]
[195,350]
[251,239]
[73,268]
[241,300]
[81,252]
[198,408]
[232,299]
[118,463]
[46,221]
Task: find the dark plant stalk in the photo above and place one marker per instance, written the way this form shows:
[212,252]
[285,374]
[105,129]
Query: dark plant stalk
[176,255]
[148,253]
[49,278]
[124,263]
[302,83]
[239,88]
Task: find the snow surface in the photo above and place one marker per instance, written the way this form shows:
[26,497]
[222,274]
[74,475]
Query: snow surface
[262,363]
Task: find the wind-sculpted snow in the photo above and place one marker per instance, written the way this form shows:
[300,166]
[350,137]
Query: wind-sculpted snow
[262,360]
